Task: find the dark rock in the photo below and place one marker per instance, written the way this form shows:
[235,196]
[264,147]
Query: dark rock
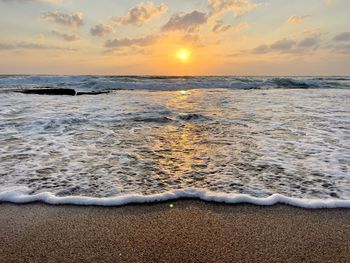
[80,93]
[192,117]
[58,92]
[49,91]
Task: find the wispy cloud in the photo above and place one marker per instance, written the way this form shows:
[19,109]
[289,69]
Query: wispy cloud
[287,45]
[141,13]
[283,45]
[65,37]
[31,46]
[341,44]
[70,20]
[130,42]
[342,37]
[295,20]
[343,49]
[238,7]
[32,1]
[220,27]
[311,41]
[100,30]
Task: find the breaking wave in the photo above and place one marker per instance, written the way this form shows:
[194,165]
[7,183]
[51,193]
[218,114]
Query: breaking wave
[286,144]
[93,83]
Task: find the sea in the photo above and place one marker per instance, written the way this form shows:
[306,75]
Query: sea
[257,140]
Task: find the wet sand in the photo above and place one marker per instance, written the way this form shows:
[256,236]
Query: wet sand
[181,231]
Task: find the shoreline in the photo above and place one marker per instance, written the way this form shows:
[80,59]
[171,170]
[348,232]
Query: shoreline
[23,195]
[173,231]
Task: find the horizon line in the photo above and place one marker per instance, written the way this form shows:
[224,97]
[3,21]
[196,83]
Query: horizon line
[169,76]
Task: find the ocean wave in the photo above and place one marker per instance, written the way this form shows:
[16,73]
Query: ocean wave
[22,195]
[160,119]
[88,83]
[142,143]
[294,83]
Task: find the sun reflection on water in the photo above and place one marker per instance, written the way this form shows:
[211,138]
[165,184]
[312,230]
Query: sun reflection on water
[181,148]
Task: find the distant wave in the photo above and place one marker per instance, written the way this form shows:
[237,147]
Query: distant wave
[21,195]
[88,83]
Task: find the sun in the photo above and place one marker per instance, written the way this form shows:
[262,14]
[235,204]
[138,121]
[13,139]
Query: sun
[183,55]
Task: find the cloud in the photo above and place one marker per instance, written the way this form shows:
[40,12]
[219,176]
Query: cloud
[141,13]
[343,49]
[341,44]
[31,46]
[343,37]
[65,37]
[219,27]
[100,30]
[295,20]
[242,26]
[309,42]
[238,7]
[73,20]
[185,22]
[130,42]
[191,38]
[312,32]
[32,1]
[261,49]
[286,45]
[126,53]
[283,45]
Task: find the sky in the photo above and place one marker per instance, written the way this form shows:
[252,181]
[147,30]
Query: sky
[183,37]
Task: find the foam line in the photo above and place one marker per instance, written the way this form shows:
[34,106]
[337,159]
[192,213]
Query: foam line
[22,195]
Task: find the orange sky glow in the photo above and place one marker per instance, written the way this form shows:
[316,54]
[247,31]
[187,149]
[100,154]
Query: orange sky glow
[222,37]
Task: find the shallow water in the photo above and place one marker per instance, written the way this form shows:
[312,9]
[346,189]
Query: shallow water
[293,142]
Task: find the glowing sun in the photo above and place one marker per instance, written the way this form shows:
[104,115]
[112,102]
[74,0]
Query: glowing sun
[183,55]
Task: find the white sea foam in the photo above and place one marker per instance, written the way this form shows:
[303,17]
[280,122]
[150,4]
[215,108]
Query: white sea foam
[22,195]
[230,145]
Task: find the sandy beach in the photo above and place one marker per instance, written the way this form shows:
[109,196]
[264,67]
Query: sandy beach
[174,131]
[181,231]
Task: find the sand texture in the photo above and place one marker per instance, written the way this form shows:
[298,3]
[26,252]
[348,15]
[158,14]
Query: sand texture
[181,231]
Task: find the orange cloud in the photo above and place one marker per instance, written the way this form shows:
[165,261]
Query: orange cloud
[141,13]
[238,7]
[295,20]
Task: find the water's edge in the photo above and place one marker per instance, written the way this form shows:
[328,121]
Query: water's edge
[21,195]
